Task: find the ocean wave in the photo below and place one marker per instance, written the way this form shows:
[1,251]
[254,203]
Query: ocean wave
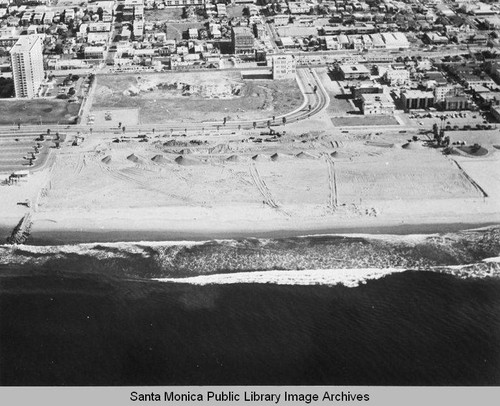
[329,277]
[183,259]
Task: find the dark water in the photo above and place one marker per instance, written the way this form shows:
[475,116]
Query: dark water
[413,328]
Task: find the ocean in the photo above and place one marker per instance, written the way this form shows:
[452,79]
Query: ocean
[313,310]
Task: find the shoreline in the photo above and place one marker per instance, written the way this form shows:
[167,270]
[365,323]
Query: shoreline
[70,237]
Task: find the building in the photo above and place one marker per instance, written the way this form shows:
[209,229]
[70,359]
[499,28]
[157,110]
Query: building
[242,40]
[284,67]
[495,112]
[417,99]
[94,52]
[441,92]
[366,88]
[459,102]
[281,19]
[193,33]
[377,104]
[353,72]
[397,75]
[27,65]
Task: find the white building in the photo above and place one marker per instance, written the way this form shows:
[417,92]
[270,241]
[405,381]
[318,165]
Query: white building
[397,75]
[377,104]
[27,65]
[284,67]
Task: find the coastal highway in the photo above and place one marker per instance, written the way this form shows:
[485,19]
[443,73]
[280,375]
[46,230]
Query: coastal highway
[314,102]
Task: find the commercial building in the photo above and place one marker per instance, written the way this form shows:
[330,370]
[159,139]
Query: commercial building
[27,65]
[284,67]
[242,39]
[417,99]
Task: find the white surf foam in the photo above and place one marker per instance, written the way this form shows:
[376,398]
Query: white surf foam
[329,277]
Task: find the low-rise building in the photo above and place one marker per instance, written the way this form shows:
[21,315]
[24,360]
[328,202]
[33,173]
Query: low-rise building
[281,19]
[417,99]
[397,75]
[93,52]
[193,33]
[377,104]
[353,71]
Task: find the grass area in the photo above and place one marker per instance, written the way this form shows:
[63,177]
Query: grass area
[359,120]
[235,10]
[169,13]
[36,111]
[161,101]
[178,31]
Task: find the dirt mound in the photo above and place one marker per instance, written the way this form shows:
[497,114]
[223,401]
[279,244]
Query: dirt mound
[473,150]
[496,146]
[412,145]
[182,160]
[174,143]
[233,158]
[260,158]
[343,154]
[379,144]
[159,159]
[279,157]
[305,155]
[185,151]
[133,158]
[106,160]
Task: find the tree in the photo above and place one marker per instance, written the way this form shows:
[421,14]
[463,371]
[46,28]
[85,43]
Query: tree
[254,125]
[71,91]
[284,120]
[6,88]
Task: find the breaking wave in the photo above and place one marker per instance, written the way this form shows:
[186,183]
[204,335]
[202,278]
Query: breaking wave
[306,260]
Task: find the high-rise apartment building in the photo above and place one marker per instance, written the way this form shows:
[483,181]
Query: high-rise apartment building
[27,65]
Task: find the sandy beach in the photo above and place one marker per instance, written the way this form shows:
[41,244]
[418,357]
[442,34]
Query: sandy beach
[201,187]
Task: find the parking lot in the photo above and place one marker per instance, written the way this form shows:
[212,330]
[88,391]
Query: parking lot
[24,151]
[452,120]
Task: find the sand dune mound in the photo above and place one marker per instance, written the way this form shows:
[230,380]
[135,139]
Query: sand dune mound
[182,160]
[279,157]
[233,158]
[106,160]
[133,158]
[260,158]
[159,159]
[305,155]
[412,145]
[496,146]
[185,151]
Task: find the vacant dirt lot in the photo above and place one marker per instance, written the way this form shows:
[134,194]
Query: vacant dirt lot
[197,97]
